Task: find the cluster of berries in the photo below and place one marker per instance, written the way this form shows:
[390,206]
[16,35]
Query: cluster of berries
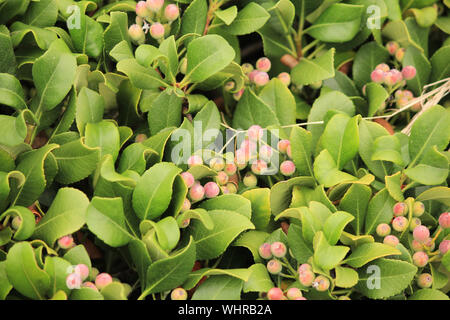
[290,294]
[395,50]
[80,273]
[257,77]
[307,277]
[152,17]
[422,243]
[390,77]
[403,97]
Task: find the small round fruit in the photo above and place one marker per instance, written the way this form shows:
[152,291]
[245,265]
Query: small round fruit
[232,188]
[230,169]
[82,270]
[400,224]
[274,266]
[321,283]
[264,251]
[275,294]
[391,240]
[73,281]
[188,178]
[383,229]
[186,205]
[263,64]
[102,280]
[66,242]
[157,30]
[171,12]
[142,10]
[425,280]
[287,168]
[217,164]
[278,249]
[197,192]
[418,208]
[392,47]
[155,5]
[222,178]
[259,167]
[16,223]
[283,145]
[383,67]
[294,293]
[261,78]
[444,246]
[212,190]
[178,294]
[421,234]
[194,160]
[255,133]
[377,76]
[417,246]
[444,220]
[89,284]
[250,180]
[409,72]
[420,259]
[400,209]
[306,278]
[136,33]
[285,78]
[415,222]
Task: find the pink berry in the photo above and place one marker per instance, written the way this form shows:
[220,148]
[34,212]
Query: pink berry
[416,245]
[383,229]
[429,244]
[82,270]
[377,76]
[255,133]
[420,259]
[444,220]
[278,249]
[66,242]
[217,164]
[142,10]
[400,54]
[274,266]
[409,72]
[212,190]
[136,33]
[157,30]
[178,294]
[321,283]
[397,75]
[265,152]
[259,167]
[421,233]
[392,77]
[251,75]
[294,293]
[408,94]
[283,145]
[230,169]
[289,151]
[425,280]
[383,67]
[400,224]
[261,78]
[171,12]
[400,209]
[222,178]
[418,209]
[186,205]
[287,168]
[415,222]
[285,78]
[241,159]
[102,280]
[275,294]
[250,180]
[73,281]
[155,5]
[197,192]
[264,251]
[188,179]
[304,267]
[194,160]
[306,278]
[391,240]
[263,64]
[249,147]
[392,47]
[402,102]
[89,284]
[444,246]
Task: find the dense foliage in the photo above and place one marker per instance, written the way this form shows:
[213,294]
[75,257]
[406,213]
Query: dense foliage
[221,149]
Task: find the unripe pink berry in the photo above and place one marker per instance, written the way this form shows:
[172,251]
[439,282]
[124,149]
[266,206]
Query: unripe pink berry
[418,208]
[141,137]
[304,267]
[275,294]
[390,78]
[274,266]
[230,169]
[250,180]
[261,78]
[197,192]
[265,152]
[306,278]
[416,245]
[178,294]
[283,145]
[409,72]
[73,281]
[289,151]
[391,240]
[142,10]
[397,75]
[186,205]
[400,209]
[321,283]
[444,220]
[294,293]
[251,75]
[285,78]
[157,30]
[102,280]
[82,270]
[136,33]
[287,168]
[259,167]
[400,224]
[222,178]
[66,242]
[402,102]
[264,251]
[188,179]
[415,222]
[421,233]
[444,247]
[89,284]
[392,47]
[155,5]
[399,94]
[425,280]
[241,159]
[383,229]
[383,67]
[400,54]
[408,94]
[249,147]
[263,64]
[232,188]
[171,12]
[194,160]
[237,95]
[212,190]
[255,133]
[247,68]
[278,249]
[217,164]
[377,76]
[16,223]
[420,259]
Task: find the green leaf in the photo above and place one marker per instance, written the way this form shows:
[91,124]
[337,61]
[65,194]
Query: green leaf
[440,68]
[141,77]
[301,250]
[90,107]
[66,215]
[23,272]
[104,135]
[259,280]
[140,257]
[194,19]
[379,211]
[87,37]
[42,37]
[58,270]
[327,257]
[227,226]
[367,58]
[429,294]
[233,202]
[308,71]
[346,277]
[413,57]
[5,286]
[28,224]
[335,224]
[301,149]
[153,192]
[121,51]
[355,201]
[260,207]
[281,192]
[11,92]
[425,17]
[8,63]
[86,294]
[377,96]
[219,288]
[248,20]
[117,31]
[227,15]
[367,252]
[164,112]
[106,219]
[394,186]
[41,14]
[252,240]
[114,291]
[54,74]
[280,99]
[385,278]
[338,23]
[432,169]
[441,194]
[203,58]
[13,130]
[195,276]
[387,148]
[327,172]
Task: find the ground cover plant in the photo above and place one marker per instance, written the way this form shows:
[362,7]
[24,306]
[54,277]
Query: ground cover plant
[220,149]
